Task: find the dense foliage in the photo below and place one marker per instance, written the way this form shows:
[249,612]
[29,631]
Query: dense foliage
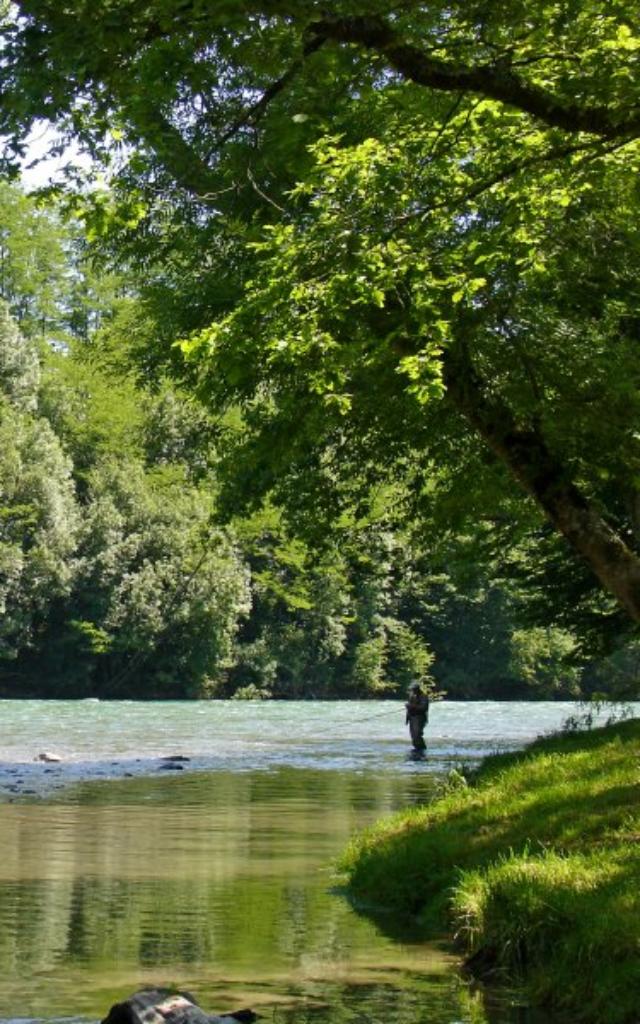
[412,225]
[393,248]
[116,580]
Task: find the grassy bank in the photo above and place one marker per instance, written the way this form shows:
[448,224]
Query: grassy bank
[535,865]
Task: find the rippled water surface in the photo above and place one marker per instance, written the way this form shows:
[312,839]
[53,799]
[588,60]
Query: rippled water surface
[96,738]
[217,877]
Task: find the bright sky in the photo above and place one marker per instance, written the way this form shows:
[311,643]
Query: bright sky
[49,170]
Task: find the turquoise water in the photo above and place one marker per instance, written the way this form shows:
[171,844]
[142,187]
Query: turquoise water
[217,877]
[113,739]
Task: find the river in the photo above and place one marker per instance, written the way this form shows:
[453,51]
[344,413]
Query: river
[121,868]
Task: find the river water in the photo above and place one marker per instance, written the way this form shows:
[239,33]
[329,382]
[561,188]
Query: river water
[119,869]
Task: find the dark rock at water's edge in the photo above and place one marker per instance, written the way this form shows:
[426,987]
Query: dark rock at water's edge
[172,762]
[166,1006]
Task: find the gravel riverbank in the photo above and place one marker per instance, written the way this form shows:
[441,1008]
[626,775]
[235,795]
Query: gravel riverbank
[45,775]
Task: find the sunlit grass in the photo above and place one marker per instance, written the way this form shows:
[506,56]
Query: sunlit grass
[570,923]
[535,865]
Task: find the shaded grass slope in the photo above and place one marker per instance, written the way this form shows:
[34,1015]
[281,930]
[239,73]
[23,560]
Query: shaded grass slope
[535,865]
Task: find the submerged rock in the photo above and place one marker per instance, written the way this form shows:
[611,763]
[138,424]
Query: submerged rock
[166,1006]
[175,757]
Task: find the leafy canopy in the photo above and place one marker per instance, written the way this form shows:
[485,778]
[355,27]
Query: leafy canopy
[414,224]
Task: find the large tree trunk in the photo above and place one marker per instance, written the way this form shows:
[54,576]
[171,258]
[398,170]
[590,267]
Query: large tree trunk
[524,451]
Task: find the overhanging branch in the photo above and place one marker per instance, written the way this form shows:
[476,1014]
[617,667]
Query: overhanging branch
[489,80]
[189,169]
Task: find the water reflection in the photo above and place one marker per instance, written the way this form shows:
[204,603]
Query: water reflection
[217,883]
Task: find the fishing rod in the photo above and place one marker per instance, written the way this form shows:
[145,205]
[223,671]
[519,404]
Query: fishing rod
[380,714]
[361,721]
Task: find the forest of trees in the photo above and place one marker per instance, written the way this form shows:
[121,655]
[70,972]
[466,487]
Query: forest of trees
[322,376]
[118,580]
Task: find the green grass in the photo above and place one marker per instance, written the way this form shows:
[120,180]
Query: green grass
[535,866]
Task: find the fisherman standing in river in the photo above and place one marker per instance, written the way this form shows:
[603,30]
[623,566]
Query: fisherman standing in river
[417,715]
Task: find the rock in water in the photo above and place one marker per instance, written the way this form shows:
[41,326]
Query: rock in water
[166,1006]
[157,1006]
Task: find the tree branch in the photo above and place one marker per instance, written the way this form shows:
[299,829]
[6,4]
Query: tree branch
[253,114]
[189,169]
[524,451]
[180,159]
[489,80]
[508,170]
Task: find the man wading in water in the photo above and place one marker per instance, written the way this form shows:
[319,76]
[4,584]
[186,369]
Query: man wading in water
[417,715]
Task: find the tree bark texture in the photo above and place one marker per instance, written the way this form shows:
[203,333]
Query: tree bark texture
[543,476]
